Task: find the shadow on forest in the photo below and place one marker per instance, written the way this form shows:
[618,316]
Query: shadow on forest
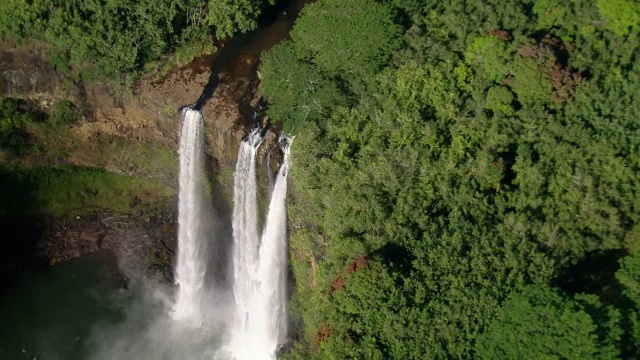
[395,256]
[594,274]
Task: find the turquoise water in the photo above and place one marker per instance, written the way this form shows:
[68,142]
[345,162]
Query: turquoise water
[49,313]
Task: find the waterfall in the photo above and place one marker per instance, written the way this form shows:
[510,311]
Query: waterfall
[245,233]
[191,263]
[259,263]
[255,321]
[273,260]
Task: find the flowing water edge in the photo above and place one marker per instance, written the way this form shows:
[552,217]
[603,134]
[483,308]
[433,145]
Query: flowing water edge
[91,312]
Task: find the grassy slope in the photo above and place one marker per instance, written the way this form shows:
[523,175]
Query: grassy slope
[73,190]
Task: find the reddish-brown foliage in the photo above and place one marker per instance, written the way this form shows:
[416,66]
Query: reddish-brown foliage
[337,283]
[507,80]
[551,54]
[323,334]
[500,34]
[356,265]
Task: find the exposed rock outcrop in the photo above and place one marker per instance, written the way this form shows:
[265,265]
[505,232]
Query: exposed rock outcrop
[115,130]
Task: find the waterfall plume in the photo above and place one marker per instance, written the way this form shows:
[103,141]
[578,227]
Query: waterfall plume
[191,263]
[273,260]
[255,319]
[245,234]
[259,262]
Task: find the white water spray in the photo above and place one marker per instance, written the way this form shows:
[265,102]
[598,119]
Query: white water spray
[272,316]
[192,323]
[260,264]
[191,264]
[257,321]
[245,233]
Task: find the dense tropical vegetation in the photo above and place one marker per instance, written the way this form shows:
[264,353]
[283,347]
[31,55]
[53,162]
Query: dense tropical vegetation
[118,38]
[467,177]
[466,173]
[113,42]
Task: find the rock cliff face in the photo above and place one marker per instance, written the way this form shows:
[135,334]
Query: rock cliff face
[26,71]
[137,135]
[151,113]
[116,132]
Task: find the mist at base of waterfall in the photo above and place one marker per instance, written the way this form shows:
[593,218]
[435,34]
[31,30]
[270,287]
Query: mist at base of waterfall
[190,320]
[230,295]
[206,315]
[150,330]
[85,309]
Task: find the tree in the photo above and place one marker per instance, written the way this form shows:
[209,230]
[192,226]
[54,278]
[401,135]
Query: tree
[497,149]
[353,37]
[629,277]
[623,15]
[114,39]
[298,92]
[14,121]
[231,16]
[539,323]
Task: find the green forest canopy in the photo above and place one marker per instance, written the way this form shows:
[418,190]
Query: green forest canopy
[107,38]
[467,177]
[466,173]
